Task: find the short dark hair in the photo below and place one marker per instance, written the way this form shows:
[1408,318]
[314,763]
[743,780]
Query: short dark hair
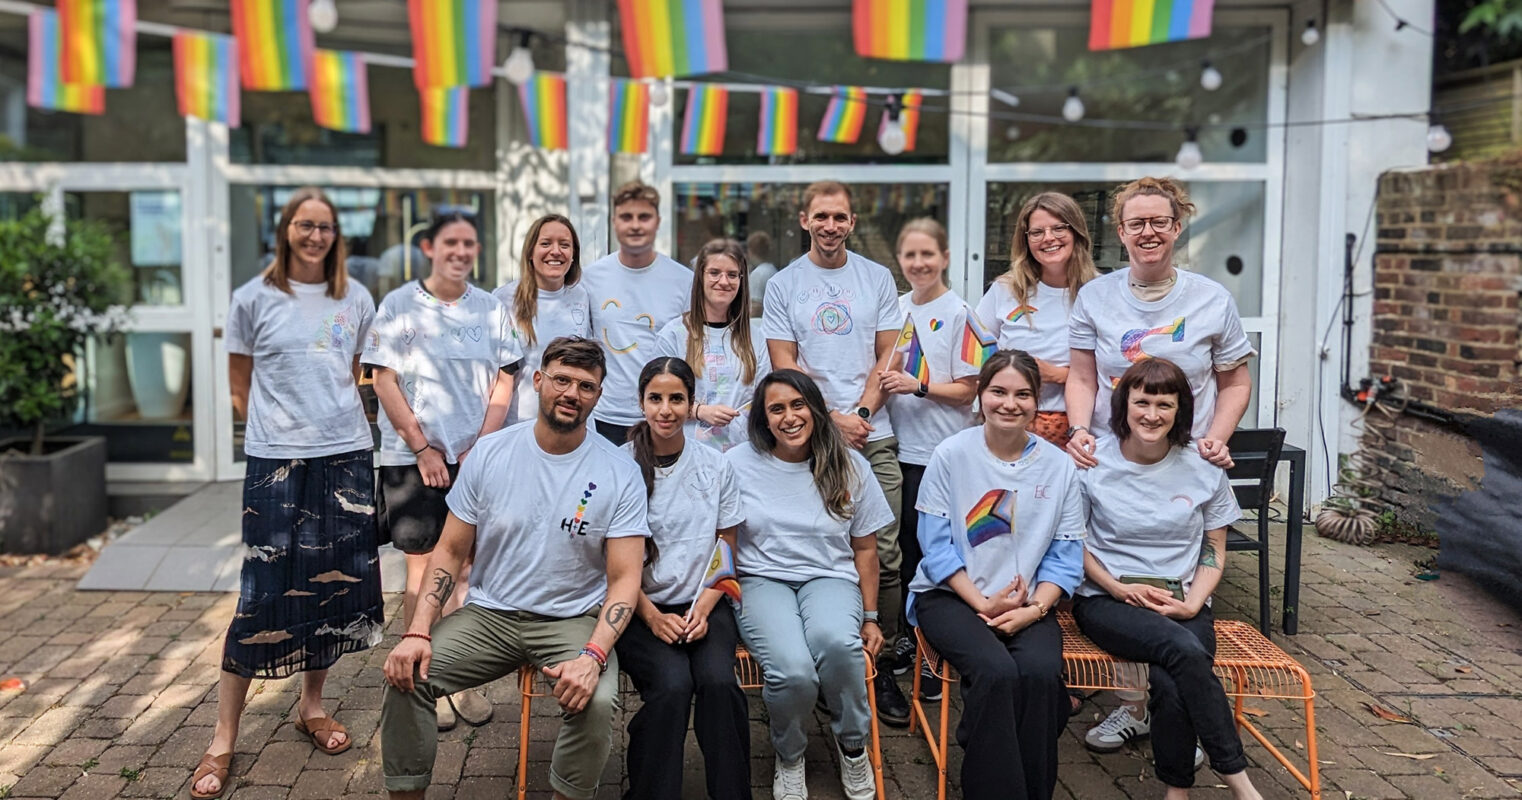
[575,351]
[1154,376]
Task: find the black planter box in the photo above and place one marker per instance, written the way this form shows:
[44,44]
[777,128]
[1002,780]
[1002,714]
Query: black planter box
[51,502]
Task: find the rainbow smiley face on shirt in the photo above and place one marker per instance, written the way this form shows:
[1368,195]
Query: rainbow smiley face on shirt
[576,525]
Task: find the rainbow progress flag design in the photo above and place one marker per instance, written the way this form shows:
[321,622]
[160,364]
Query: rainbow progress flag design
[1114,24]
[45,87]
[673,37]
[628,116]
[777,135]
[1131,341]
[446,115]
[99,41]
[340,91]
[453,41]
[1021,311]
[721,573]
[844,115]
[915,362]
[543,98]
[274,43]
[910,30]
[705,120]
[993,515]
[206,77]
[977,343]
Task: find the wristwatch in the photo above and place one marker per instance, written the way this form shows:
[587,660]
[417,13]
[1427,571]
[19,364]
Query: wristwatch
[1075,429]
[864,412]
[923,390]
[869,616]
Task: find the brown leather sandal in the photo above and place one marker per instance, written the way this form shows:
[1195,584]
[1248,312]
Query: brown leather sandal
[321,729]
[215,766]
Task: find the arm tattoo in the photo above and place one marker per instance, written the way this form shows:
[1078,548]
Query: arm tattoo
[1209,557]
[617,616]
[443,588]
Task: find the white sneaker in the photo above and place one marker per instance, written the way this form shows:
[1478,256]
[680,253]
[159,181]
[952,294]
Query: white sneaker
[1199,757]
[787,780]
[856,775]
[1117,729]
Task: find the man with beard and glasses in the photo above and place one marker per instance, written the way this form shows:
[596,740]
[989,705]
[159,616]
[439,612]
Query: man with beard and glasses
[557,520]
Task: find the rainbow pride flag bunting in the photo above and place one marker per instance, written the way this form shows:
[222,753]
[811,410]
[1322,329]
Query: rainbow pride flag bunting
[275,43]
[206,77]
[628,116]
[543,98]
[915,362]
[777,135]
[844,116]
[446,115]
[45,87]
[1114,24]
[908,117]
[910,30]
[99,41]
[977,343]
[673,37]
[340,91]
[453,41]
[705,120]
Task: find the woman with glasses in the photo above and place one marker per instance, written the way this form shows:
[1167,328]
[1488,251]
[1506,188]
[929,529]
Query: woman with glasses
[444,359]
[1028,306]
[548,302]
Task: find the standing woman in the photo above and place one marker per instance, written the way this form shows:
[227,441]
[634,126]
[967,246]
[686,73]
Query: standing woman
[680,647]
[1158,513]
[443,358]
[548,302]
[807,558]
[1027,307]
[997,558]
[310,590]
[714,337]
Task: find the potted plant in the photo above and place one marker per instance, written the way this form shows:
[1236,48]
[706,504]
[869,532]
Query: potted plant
[58,288]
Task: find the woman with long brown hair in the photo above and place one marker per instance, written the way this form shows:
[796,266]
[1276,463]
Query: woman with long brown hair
[547,302]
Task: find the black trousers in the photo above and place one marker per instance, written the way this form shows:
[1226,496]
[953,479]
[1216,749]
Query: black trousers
[669,678]
[617,434]
[909,523]
[1014,704]
[1187,701]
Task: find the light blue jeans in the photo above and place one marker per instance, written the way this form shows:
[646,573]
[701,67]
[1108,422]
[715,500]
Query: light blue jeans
[807,639]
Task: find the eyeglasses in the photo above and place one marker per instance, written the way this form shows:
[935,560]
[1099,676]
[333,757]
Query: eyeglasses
[307,228]
[1159,224]
[565,382]
[1057,231]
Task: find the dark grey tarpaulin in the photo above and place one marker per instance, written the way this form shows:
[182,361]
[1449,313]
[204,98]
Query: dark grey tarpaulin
[1480,531]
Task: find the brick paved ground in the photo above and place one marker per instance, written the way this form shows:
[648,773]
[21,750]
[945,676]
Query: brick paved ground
[121,701]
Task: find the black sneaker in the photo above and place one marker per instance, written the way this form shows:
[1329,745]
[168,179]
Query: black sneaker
[892,707]
[901,660]
[930,685]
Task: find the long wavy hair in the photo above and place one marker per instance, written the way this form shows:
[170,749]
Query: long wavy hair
[526,297]
[278,274]
[829,460]
[737,320]
[1025,271]
[639,434]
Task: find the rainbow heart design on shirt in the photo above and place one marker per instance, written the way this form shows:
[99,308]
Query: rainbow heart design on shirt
[935,324]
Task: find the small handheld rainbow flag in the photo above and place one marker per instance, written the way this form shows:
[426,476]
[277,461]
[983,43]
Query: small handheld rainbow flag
[446,115]
[915,362]
[721,573]
[206,77]
[99,41]
[453,41]
[340,91]
[543,99]
[275,43]
[706,118]
[977,343]
[673,37]
[908,117]
[844,115]
[910,30]
[45,87]
[1114,24]
[628,116]
[777,135]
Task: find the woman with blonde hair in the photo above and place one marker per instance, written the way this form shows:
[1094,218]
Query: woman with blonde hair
[547,302]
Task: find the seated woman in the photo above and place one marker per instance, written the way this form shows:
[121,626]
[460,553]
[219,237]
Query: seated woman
[681,644]
[1001,526]
[1158,513]
[807,559]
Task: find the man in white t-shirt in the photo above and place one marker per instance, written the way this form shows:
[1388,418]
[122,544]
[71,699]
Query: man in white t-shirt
[834,315]
[557,521]
[635,291]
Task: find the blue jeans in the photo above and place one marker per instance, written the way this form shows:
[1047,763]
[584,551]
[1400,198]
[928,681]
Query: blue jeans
[807,639]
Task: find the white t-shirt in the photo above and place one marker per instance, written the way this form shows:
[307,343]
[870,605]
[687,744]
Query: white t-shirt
[758,279]
[567,311]
[834,316]
[1038,326]
[722,380]
[629,307]
[932,336]
[1196,327]
[1004,515]
[447,358]
[787,534]
[302,402]
[1150,519]
[693,499]
[541,520]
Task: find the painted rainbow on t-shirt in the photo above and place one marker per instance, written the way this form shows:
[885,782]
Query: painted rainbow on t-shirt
[1020,311]
[915,362]
[993,515]
[1130,343]
[977,344]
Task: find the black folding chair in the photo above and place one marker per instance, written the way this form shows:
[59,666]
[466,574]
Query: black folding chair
[1256,453]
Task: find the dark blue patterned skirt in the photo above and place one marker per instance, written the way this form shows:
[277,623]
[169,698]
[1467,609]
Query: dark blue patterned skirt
[311,587]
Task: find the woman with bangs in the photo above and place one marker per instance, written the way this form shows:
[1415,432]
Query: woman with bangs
[547,302]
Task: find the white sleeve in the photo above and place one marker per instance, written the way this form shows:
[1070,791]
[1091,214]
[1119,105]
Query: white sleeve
[729,496]
[238,333]
[870,510]
[631,516]
[672,340]
[509,350]
[890,315]
[935,496]
[988,308]
[774,321]
[380,349]
[1221,509]
[366,309]
[1082,335]
[1231,343]
[464,498]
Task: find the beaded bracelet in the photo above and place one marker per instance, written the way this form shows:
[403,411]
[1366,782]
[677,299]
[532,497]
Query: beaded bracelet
[425,637]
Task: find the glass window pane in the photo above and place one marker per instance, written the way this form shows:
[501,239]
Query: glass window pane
[1157,84]
[147,226]
[135,391]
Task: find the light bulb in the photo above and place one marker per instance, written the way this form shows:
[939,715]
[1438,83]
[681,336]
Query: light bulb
[1189,155]
[323,14]
[1012,132]
[1072,108]
[1310,36]
[1210,77]
[659,94]
[1438,138]
[892,138]
[519,66]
